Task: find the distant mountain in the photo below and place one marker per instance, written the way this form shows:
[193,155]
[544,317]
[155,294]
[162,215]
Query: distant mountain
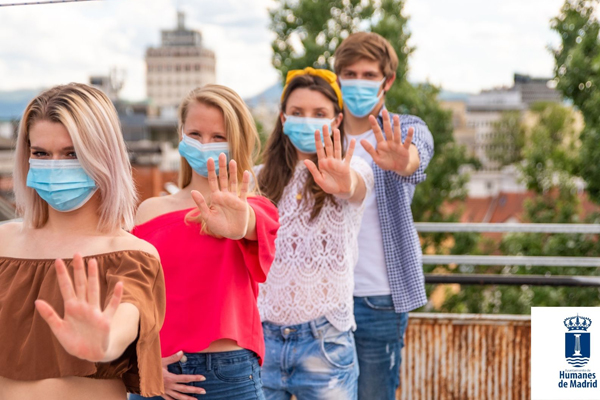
[13,103]
[446,95]
[271,95]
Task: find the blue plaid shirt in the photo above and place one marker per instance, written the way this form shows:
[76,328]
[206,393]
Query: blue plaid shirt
[401,246]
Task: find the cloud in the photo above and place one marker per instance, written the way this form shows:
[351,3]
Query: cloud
[463,45]
[48,45]
[469,45]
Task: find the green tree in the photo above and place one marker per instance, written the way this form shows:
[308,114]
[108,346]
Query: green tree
[307,34]
[577,71]
[548,167]
[507,139]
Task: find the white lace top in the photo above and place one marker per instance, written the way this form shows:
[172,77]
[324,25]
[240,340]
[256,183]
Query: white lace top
[313,271]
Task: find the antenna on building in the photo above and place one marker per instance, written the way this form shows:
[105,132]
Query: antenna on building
[180,20]
[116,80]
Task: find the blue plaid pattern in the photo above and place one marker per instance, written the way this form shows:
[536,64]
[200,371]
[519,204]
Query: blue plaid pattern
[401,246]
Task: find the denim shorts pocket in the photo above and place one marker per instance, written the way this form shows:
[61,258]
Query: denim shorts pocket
[175,368]
[339,351]
[234,372]
[383,303]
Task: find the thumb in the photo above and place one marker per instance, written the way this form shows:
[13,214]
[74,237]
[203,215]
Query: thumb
[172,359]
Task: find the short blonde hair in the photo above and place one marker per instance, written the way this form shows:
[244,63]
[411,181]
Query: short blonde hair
[366,45]
[92,122]
[242,136]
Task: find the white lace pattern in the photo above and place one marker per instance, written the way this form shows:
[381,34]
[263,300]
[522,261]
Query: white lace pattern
[313,271]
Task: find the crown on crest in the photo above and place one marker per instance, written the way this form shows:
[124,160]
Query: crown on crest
[577,323]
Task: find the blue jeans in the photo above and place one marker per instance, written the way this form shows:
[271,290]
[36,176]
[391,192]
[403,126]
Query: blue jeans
[379,338]
[229,375]
[313,360]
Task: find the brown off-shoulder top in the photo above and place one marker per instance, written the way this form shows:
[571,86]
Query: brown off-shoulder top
[28,348]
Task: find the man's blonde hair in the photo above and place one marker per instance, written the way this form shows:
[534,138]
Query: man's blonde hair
[366,45]
[242,136]
[93,125]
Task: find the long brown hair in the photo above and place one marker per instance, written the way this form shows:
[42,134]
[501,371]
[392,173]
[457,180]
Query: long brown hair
[280,154]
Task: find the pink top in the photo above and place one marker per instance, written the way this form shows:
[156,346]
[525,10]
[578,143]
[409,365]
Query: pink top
[212,284]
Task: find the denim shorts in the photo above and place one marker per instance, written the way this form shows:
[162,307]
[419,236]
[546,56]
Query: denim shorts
[313,360]
[229,375]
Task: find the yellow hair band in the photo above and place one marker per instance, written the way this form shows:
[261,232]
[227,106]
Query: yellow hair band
[325,74]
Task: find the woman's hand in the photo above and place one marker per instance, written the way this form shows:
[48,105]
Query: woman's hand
[175,387]
[229,214]
[334,174]
[85,329]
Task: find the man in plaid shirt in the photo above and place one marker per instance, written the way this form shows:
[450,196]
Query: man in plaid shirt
[389,278]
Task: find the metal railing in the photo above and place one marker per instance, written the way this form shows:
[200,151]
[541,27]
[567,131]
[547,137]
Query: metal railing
[511,279]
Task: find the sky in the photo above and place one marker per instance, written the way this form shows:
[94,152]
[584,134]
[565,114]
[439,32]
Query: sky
[462,45]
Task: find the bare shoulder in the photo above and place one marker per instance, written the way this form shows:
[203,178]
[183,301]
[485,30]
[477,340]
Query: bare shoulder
[151,208]
[9,232]
[127,241]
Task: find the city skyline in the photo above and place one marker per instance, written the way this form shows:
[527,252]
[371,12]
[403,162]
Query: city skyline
[462,46]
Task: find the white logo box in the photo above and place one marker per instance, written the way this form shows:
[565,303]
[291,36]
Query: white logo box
[548,358]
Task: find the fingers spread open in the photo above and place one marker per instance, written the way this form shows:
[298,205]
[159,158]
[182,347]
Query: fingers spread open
[328,142]
[337,144]
[409,137]
[233,182]
[312,168]
[223,173]
[319,145]
[93,284]
[350,151]
[201,203]
[387,126]
[376,129]
[212,175]
[49,315]
[397,131]
[79,277]
[115,300]
[245,185]
[370,149]
[64,281]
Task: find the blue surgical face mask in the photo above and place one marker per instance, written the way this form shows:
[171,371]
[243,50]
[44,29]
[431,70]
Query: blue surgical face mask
[360,95]
[197,154]
[63,184]
[301,131]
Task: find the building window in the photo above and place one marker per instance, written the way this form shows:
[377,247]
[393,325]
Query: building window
[159,68]
[169,68]
[197,67]
[178,68]
[188,67]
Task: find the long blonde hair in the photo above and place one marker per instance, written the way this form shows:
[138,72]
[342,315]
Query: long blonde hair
[242,136]
[93,125]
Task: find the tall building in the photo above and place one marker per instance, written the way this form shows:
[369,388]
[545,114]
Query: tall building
[180,64]
[484,110]
[536,89]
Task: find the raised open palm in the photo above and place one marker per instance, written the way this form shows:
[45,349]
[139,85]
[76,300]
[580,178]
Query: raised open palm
[333,174]
[84,330]
[391,154]
[228,213]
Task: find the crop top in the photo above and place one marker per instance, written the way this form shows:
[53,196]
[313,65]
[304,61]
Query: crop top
[29,349]
[212,283]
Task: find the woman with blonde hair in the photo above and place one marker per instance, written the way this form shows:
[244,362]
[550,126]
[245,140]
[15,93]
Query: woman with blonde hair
[67,334]
[216,241]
